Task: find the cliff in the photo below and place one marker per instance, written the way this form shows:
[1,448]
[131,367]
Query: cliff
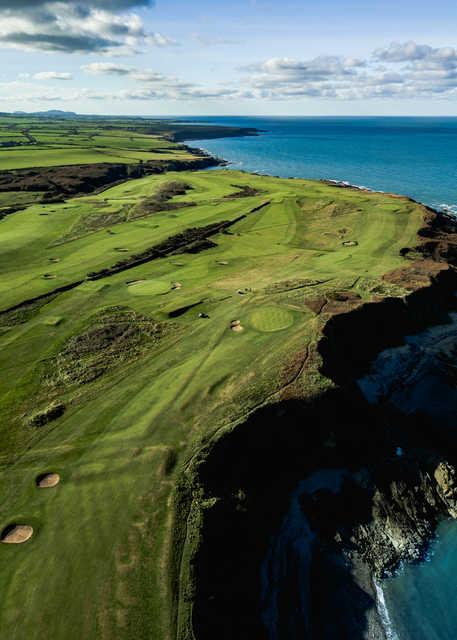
[390,500]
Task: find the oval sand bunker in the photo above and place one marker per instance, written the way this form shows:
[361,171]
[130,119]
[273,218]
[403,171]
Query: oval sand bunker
[16,534]
[47,480]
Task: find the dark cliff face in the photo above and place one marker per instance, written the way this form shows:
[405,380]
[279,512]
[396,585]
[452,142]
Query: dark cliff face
[71,180]
[399,480]
[386,510]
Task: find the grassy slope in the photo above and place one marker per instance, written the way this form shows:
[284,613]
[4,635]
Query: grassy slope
[105,539]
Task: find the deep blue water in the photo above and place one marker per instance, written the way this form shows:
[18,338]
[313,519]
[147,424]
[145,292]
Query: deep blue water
[416,157]
[412,156]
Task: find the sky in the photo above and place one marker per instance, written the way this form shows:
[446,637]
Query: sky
[237,57]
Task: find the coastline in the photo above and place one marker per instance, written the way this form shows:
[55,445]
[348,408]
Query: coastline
[362,575]
[376,622]
[317,149]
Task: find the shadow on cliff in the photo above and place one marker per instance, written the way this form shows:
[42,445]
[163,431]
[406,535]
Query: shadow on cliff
[252,472]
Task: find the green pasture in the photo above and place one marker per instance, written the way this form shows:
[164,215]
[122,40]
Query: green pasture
[67,143]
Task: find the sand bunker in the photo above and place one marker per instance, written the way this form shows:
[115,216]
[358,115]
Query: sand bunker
[176,285]
[350,243]
[16,534]
[47,480]
[236,326]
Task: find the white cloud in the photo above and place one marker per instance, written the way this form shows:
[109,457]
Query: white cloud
[109,5]
[106,68]
[403,52]
[52,75]
[83,26]
[406,70]
[159,40]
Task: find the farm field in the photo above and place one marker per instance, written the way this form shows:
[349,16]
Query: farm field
[137,325]
[50,142]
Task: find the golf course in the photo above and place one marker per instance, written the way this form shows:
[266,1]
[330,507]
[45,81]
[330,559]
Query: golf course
[141,321]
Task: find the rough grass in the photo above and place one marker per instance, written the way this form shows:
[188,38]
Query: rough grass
[113,337]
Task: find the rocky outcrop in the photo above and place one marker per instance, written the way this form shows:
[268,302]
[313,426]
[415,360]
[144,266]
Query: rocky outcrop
[445,476]
[404,515]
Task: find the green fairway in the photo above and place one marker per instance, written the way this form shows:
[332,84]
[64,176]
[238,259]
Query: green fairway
[127,375]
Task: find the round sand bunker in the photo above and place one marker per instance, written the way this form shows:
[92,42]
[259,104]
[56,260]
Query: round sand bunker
[235,325]
[16,534]
[47,480]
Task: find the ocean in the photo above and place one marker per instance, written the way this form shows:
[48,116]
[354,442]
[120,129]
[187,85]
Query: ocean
[420,601]
[415,157]
[412,156]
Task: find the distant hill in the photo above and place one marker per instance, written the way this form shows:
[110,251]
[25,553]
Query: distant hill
[52,113]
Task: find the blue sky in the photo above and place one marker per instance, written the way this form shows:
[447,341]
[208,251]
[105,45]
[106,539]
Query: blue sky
[239,57]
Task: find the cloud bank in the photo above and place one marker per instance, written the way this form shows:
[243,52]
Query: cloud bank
[403,70]
[399,71]
[82,26]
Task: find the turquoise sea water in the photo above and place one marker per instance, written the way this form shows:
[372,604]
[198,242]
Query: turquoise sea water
[412,156]
[421,600]
[416,157]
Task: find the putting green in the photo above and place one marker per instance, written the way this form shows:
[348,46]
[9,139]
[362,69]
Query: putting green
[149,287]
[270,318]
